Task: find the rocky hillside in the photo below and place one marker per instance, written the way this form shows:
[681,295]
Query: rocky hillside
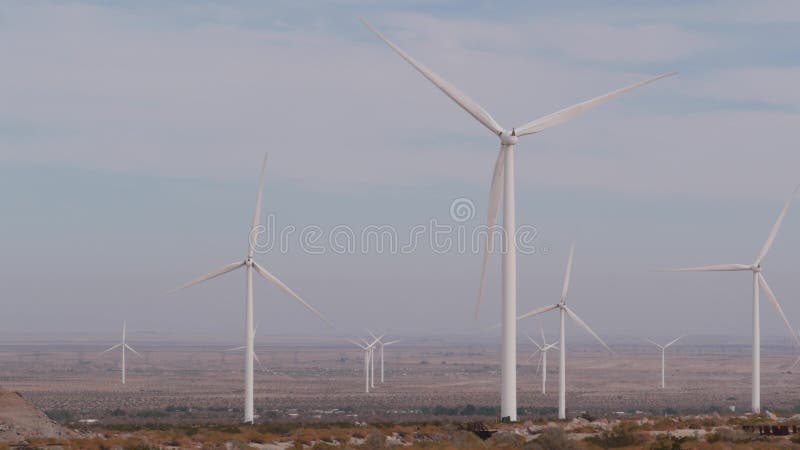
[20,420]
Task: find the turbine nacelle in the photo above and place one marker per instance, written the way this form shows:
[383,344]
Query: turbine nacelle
[507,138]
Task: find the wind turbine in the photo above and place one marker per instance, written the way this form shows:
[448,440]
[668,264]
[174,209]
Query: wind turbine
[381,345]
[564,311]
[242,347]
[758,282]
[251,265]
[503,183]
[663,348]
[542,349]
[368,357]
[124,346]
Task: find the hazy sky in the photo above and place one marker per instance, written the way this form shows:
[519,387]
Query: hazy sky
[131,137]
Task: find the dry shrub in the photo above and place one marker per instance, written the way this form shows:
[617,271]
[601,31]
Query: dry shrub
[505,440]
[374,441]
[625,434]
[464,440]
[728,435]
[551,438]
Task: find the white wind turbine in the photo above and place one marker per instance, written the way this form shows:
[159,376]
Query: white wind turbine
[565,311]
[381,345]
[758,281]
[369,366]
[542,350]
[242,347]
[251,265]
[123,345]
[663,349]
[503,183]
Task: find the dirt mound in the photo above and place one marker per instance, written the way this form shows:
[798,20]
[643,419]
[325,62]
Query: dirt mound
[21,420]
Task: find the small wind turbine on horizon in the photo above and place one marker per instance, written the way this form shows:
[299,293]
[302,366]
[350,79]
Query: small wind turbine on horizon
[243,347]
[758,282]
[502,186]
[124,346]
[381,345]
[542,350]
[565,311]
[663,349]
[369,366]
[251,265]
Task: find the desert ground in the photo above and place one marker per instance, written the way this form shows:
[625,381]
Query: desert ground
[313,379]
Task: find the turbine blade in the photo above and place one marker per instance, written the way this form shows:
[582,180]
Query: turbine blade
[717,268]
[390,343]
[586,327]
[257,213]
[544,341]
[134,351]
[377,339]
[569,113]
[256,358]
[495,192]
[533,341]
[774,300]
[469,105]
[353,342]
[774,232]
[541,310]
[274,280]
[110,348]
[795,363]
[675,340]
[214,274]
[654,343]
[567,274]
[549,346]
[538,363]
[371,334]
[235,349]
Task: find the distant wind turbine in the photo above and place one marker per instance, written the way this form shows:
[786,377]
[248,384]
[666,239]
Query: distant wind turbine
[663,349]
[243,347]
[503,183]
[542,351]
[368,357]
[565,311]
[758,282]
[251,265]
[123,345]
[381,345]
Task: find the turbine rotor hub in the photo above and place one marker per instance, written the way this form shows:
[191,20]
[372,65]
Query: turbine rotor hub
[508,138]
[248,262]
[756,268]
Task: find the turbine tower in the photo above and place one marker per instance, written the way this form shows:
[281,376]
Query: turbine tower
[663,349]
[503,185]
[758,282]
[124,346]
[542,350]
[564,311]
[251,265]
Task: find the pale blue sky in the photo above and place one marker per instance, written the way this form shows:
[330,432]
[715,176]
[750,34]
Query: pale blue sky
[131,134]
